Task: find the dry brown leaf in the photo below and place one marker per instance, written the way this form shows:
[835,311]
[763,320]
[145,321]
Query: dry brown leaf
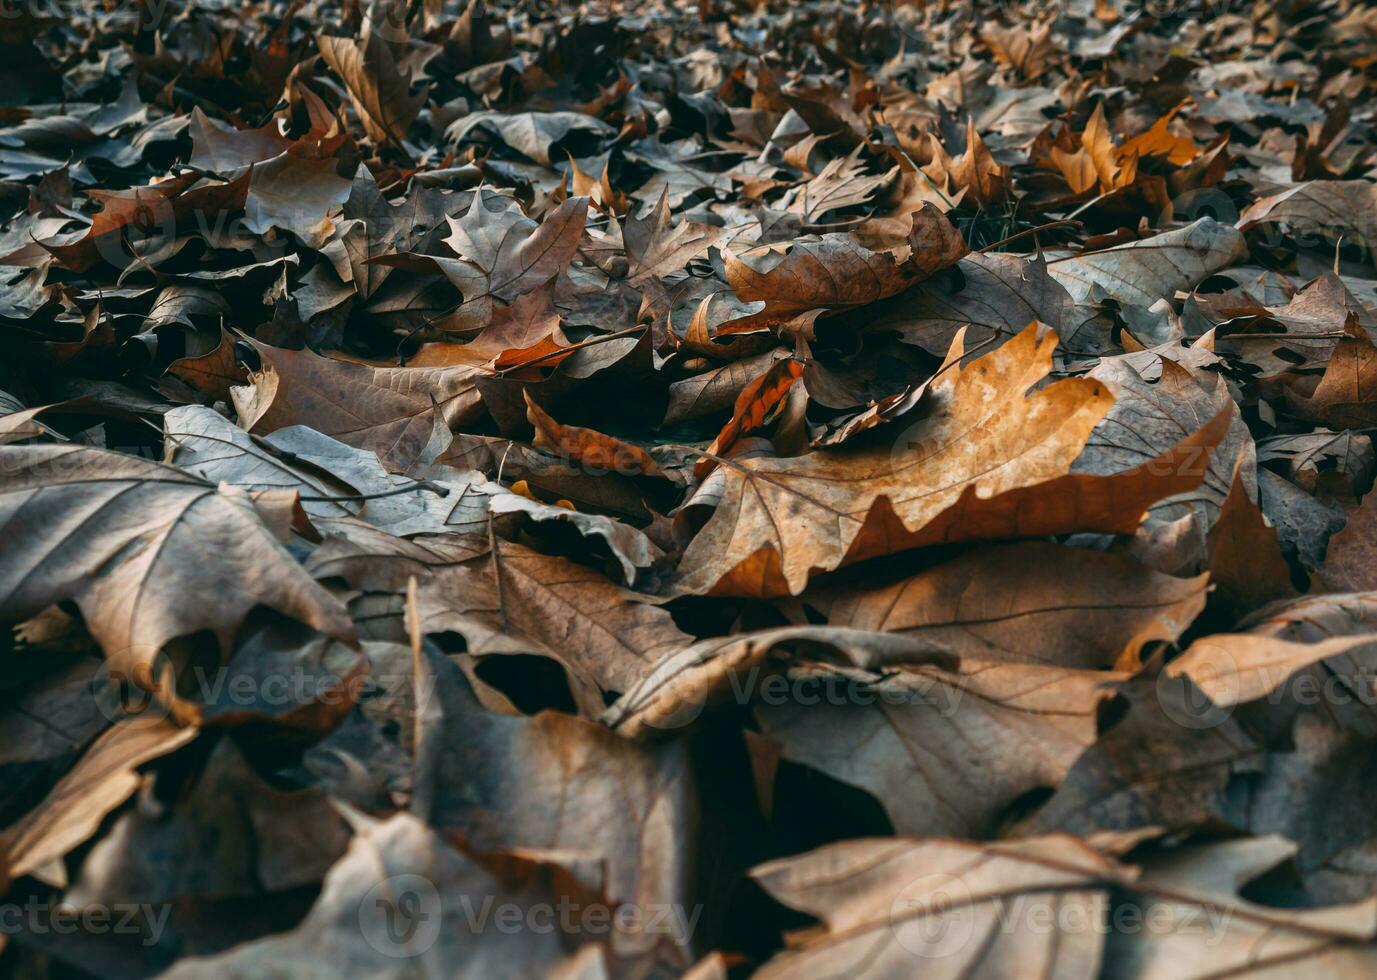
[127,539]
[886,904]
[403,414]
[1350,563]
[1098,161]
[598,190]
[945,752]
[1316,460]
[1147,419]
[1029,51]
[842,183]
[1077,168]
[605,634]
[503,598]
[588,447]
[1234,668]
[617,815]
[102,779]
[355,920]
[295,194]
[1246,563]
[718,389]
[379,90]
[1314,320]
[881,412]
[1031,603]
[271,840]
[656,247]
[758,402]
[673,691]
[227,149]
[975,172]
[1169,761]
[502,253]
[1323,209]
[144,219]
[999,296]
[1158,140]
[534,134]
[986,460]
[1346,397]
[1183,890]
[1142,272]
[837,271]
[215,373]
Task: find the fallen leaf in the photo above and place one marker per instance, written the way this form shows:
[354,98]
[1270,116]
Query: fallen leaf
[1141,272]
[355,915]
[138,532]
[502,253]
[884,903]
[1346,396]
[1029,603]
[586,447]
[757,402]
[380,93]
[1350,564]
[909,737]
[1234,668]
[836,271]
[403,414]
[1246,563]
[998,297]
[102,779]
[783,519]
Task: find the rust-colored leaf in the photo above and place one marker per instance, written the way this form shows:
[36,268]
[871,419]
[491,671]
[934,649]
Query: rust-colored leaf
[986,460]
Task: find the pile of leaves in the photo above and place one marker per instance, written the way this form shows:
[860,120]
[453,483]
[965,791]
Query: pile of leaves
[651,489]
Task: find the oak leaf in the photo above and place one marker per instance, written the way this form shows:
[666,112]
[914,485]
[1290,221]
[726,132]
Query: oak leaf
[907,735]
[1142,272]
[1281,640]
[1030,603]
[986,460]
[403,414]
[380,92]
[884,902]
[126,540]
[502,253]
[837,271]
